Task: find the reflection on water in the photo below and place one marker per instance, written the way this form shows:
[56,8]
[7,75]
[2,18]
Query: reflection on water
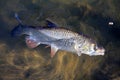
[18,62]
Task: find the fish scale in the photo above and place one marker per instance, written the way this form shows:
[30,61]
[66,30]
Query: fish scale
[58,33]
[63,44]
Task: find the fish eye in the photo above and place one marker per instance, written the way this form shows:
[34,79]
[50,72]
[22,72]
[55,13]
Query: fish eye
[95,47]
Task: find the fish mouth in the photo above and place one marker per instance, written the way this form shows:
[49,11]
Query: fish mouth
[100,51]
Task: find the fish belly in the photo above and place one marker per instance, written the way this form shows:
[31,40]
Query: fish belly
[64,44]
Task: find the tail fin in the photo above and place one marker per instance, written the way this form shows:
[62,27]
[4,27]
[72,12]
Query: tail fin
[17,31]
[18,19]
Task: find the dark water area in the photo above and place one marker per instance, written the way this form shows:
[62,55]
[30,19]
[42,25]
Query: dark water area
[89,17]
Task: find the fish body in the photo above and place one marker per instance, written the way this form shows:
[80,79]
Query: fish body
[58,39]
[79,45]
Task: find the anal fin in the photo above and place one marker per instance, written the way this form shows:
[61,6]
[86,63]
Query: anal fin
[53,50]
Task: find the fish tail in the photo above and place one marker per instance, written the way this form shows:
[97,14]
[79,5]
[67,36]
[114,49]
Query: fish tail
[17,18]
[17,31]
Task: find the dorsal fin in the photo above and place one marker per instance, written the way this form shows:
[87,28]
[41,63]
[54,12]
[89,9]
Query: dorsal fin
[50,24]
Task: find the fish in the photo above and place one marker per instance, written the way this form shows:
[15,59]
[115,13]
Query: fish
[58,39]
[71,43]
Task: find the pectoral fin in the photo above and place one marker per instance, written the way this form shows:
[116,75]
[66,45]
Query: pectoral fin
[53,51]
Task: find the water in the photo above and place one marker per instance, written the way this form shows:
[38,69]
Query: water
[18,62]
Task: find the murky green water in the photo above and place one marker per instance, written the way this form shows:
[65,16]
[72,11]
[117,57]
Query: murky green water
[90,17]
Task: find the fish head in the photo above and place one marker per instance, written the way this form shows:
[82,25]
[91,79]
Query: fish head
[89,48]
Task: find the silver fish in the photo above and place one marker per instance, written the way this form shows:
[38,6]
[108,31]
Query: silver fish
[73,42]
[58,39]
